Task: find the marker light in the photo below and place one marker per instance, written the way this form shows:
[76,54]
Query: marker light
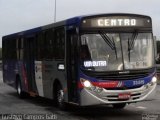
[154,79]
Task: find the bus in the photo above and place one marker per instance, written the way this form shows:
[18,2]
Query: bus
[86,60]
[157,54]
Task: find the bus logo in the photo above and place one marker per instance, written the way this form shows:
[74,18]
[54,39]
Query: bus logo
[120,84]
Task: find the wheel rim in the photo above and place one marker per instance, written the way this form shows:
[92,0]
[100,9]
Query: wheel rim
[19,88]
[60,96]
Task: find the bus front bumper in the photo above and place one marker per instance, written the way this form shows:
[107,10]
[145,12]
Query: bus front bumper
[89,97]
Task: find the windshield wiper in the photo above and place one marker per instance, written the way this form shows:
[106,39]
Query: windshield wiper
[111,43]
[131,43]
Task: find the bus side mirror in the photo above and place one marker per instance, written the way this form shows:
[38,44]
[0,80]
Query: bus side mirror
[157,59]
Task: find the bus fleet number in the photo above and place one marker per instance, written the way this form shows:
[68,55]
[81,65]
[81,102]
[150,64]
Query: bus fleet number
[138,82]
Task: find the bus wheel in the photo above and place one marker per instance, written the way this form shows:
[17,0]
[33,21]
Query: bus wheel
[60,98]
[20,93]
[119,105]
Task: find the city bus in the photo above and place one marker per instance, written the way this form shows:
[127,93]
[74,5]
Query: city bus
[103,59]
[157,54]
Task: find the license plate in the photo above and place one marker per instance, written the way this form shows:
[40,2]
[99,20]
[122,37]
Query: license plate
[124,96]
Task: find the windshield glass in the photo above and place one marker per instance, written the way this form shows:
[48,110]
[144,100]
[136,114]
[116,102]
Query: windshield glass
[116,51]
[137,50]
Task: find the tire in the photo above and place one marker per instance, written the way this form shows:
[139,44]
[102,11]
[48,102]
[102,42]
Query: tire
[119,105]
[20,93]
[59,94]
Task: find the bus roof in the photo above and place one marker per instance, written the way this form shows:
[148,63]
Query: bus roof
[71,21]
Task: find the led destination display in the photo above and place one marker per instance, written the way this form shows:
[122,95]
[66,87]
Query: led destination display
[117,21]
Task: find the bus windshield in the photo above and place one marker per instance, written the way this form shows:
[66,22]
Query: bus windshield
[116,51]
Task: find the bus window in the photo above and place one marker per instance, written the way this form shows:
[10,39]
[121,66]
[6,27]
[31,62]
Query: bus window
[49,44]
[19,48]
[59,43]
[12,51]
[40,46]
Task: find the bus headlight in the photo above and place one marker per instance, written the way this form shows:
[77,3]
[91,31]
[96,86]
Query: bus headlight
[87,84]
[154,80]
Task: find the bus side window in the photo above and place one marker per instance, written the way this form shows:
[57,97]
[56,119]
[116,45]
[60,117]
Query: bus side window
[59,43]
[40,46]
[49,44]
[19,48]
[12,49]
[4,50]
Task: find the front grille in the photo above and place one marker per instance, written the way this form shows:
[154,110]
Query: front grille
[121,75]
[123,88]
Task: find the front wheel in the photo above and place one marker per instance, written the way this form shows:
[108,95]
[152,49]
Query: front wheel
[119,105]
[60,98]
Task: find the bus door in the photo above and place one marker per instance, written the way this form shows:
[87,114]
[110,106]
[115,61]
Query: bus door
[72,65]
[29,58]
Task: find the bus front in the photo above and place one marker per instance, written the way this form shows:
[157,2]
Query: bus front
[116,60]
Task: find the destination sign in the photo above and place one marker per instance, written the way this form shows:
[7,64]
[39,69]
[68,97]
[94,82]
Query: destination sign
[117,21]
[95,63]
